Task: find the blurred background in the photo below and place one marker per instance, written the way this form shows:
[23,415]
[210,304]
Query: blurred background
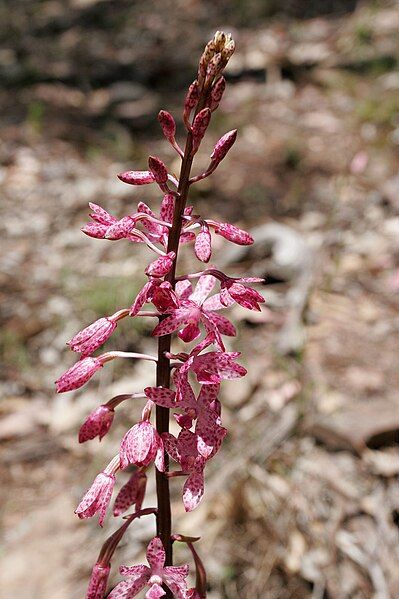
[303,500]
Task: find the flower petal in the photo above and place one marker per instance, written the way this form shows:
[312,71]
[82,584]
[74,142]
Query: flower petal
[193,491]
[156,554]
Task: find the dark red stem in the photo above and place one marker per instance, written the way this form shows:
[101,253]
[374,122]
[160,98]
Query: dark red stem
[164,517]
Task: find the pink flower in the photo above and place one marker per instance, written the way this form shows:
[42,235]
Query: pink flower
[137,177]
[141,445]
[97,498]
[212,367]
[78,374]
[192,311]
[161,266]
[93,336]
[132,493]
[184,450]
[98,581]
[174,577]
[97,424]
[205,410]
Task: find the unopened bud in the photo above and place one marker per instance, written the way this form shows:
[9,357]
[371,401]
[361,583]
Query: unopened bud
[192,98]
[217,93]
[219,40]
[223,146]
[167,123]
[214,67]
[228,51]
[158,170]
[136,177]
[200,126]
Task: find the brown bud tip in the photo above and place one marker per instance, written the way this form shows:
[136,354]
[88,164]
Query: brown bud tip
[158,169]
[167,123]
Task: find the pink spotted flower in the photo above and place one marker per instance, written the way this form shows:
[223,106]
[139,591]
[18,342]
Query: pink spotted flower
[205,410]
[184,450]
[132,493]
[193,310]
[98,581]
[97,498]
[142,445]
[154,576]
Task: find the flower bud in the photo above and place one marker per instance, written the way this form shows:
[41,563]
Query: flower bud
[223,146]
[200,126]
[217,93]
[228,51]
[168,124]
[97,424]
[137,177]
[78,374]
[219,40]
[158,170]
[203,247]
[93,336]
[234,234]
[161,266]
[192,98]
[214,67]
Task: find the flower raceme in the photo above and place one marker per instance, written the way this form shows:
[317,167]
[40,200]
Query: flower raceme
[189,306]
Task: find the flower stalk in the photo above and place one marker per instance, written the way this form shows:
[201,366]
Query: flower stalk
[183,309]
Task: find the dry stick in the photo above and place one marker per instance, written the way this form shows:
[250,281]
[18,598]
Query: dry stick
[164,516]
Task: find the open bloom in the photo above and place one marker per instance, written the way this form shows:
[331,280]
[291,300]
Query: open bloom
[97,424]
[211,367]
[154,576]
[142,445]
[245,296]
[97,498]
[205,410]
[193,310]
[184,450]
[98,581]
